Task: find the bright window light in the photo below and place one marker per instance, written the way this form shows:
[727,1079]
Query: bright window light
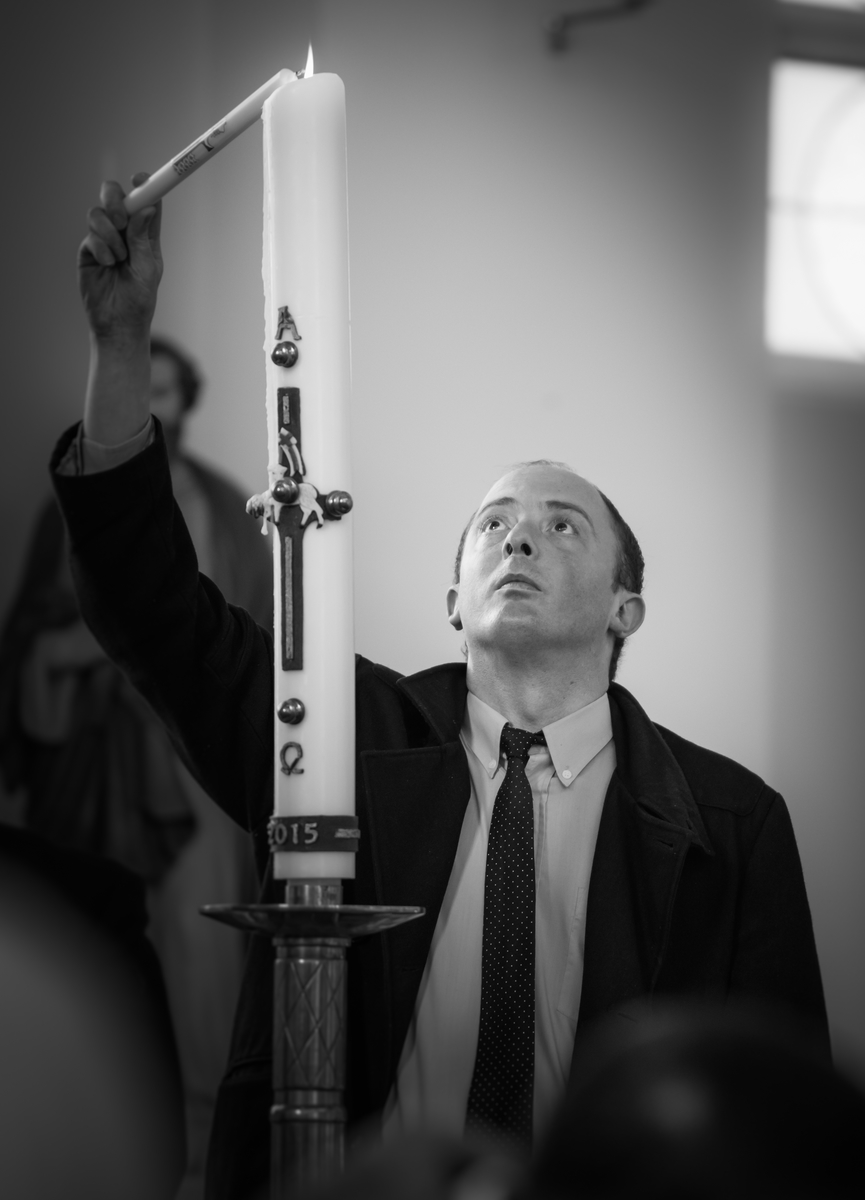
[850,5]
[815,278]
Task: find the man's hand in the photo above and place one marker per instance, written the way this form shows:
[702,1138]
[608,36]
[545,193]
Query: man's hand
[120,266]
[119,269]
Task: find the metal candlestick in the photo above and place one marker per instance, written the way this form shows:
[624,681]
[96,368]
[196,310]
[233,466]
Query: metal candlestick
[311,933]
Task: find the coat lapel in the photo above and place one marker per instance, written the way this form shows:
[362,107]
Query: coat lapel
[649,822]
[416,801]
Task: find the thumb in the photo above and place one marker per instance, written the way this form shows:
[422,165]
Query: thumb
[144,226]
[150,227]
[142,232]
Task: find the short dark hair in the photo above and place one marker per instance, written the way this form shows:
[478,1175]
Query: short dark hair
[629,569]
[189,379]
[630,564]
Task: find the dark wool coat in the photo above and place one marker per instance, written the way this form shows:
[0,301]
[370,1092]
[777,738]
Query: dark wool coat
[696,887]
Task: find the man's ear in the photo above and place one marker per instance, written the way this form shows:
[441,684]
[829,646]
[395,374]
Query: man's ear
[628,616]
[453,609]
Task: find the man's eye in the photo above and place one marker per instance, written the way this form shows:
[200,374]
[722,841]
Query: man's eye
[563,524]
[491,524]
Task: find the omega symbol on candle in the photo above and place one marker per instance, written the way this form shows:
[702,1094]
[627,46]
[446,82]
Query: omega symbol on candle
[291,768]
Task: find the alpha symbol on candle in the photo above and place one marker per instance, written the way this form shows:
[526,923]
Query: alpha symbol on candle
[285,321]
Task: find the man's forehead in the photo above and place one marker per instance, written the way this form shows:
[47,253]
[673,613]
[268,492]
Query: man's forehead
[544,483]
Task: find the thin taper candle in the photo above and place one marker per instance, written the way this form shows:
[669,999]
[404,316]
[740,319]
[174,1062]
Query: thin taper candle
[204,147]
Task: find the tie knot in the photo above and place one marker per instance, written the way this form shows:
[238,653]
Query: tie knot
[517,742]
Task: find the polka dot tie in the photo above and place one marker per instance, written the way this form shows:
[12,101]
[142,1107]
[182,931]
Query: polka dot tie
[501,1095]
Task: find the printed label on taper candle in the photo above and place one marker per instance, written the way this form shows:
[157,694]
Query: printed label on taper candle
[193,155]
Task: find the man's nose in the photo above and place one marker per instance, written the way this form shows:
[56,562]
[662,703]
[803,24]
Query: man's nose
[520,541]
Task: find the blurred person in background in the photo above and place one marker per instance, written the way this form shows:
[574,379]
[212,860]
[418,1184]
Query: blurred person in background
[97,770]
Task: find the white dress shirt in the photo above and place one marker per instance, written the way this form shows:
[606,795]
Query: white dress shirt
[86,457]
[569,778]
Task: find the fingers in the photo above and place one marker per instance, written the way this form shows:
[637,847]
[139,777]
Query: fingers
[143,228]
[106,221]
[104,240]
[111,229]
[111,198]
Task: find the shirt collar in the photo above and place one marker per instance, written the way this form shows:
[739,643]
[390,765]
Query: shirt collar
[572,742]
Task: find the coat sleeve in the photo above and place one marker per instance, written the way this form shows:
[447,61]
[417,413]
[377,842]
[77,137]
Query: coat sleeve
[776,954]
[203,665]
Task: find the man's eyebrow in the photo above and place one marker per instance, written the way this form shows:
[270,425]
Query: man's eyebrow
[495,504]
[573,508]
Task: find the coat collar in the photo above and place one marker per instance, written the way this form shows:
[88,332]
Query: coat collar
[645,763]
[439,693]
[649,771]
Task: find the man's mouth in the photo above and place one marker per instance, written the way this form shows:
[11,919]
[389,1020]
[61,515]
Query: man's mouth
[519,580]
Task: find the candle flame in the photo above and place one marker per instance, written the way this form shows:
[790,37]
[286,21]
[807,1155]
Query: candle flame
[308,69]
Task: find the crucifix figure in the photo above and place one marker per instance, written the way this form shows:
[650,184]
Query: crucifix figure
[293,505]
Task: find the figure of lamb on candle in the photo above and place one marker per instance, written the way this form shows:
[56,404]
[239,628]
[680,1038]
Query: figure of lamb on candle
[268,507]
[287,487]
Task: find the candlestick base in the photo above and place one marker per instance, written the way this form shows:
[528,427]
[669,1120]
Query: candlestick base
[311,934]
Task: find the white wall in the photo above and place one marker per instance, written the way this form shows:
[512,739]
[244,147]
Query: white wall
[552,255]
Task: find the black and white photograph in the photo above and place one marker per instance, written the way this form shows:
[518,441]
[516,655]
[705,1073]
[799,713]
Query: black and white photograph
[432,671]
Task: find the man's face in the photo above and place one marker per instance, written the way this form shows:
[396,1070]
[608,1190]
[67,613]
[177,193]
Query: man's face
[538,565]
[166,398]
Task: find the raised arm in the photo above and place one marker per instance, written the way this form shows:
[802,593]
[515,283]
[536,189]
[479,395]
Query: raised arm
[119,269]
[203,665]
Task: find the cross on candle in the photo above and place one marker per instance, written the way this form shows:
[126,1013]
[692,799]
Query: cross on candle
[295,505]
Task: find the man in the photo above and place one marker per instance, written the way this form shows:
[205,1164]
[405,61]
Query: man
[98,772]
[572,857]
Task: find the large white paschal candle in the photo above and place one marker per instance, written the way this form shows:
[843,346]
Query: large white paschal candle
[306,290]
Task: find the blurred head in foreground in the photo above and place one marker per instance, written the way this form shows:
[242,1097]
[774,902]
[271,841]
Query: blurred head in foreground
[704,1105]
[89,1106]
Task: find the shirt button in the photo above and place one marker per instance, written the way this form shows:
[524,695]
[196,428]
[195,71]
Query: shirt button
[492,764]
[566,774]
